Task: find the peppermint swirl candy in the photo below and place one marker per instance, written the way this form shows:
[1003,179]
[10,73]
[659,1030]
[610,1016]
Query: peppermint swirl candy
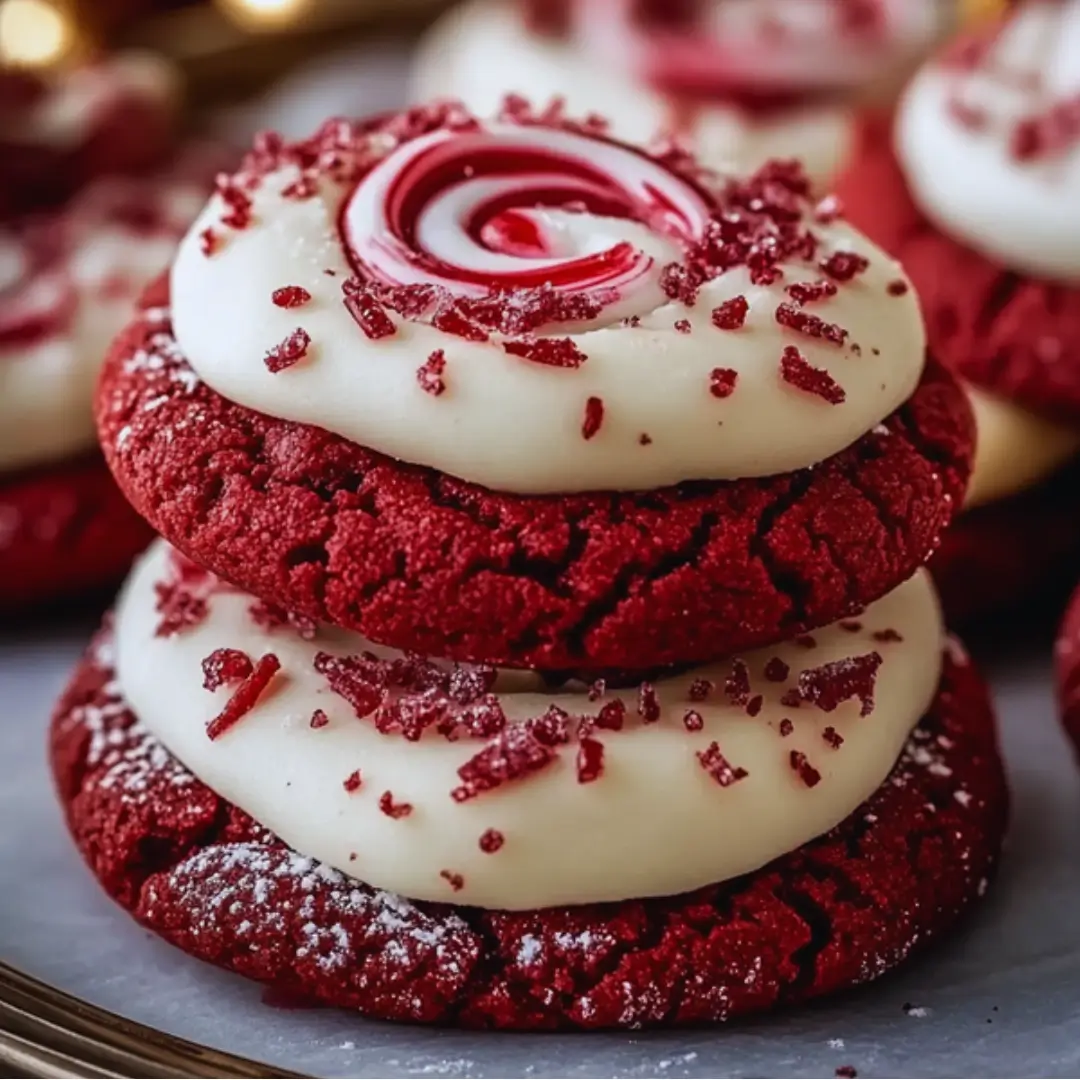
[759,53]
[512,208]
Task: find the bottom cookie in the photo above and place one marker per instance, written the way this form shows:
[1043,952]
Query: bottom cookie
[65,530]
[1009,555]
[838,912]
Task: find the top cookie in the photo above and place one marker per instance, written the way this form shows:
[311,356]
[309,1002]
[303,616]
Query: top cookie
[519,314]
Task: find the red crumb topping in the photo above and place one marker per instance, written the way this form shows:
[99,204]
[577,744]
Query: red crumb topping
[791,699]
[648,703]
[645,439]
[365,308]
[512,755]
[179,605]
[829,210]
[852,626]
[753,706]
[551,729]
[594,417]
[612,716]
[899,287]
[846,1072]
[833,737]
[797,371]
[353,782]
[1052,132]
[491,841]
[291,296]
[829,686]
[802,322]
[319,719]
[812,292]
[700,689]
[245,697]
[693,720]
[392,809]
[237,201]
[597,689]
[271,617]
[304,187]
[450,319]
[429,374]
[209,242]
[456,881]
[718,766]
[291,351]
[683,326]
[731,314]
[776,670]
[590,760]
[554,352]
[844,265]
[737,684]
[888,636]
[786,727]
[807,773]
[225,666]
[805,641]
[722,382]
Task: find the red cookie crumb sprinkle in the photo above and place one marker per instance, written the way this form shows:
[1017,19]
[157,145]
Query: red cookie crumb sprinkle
[594,417]
[812,292]
[796,370]
[791,699]
[291,351]
[225,666]
[829,686]
[353,782]
[590,760]
[648,703]
[209,242]
[833,737]
[304,187]
[597,689]
[238,216]
[776,670]
[846,1072]
[852,626]
[291,296]
[802,322]
[271,617]
[429,374]
[807,773]
[731,314]
[753,706]
[491,840]
[829,210]
[684,326]
[888,636]
[319,719]
[737,684]
[693,720]
[805,641]
[786,727]
[844,265]
[180,608]
[367,311]
[612,716]
[718,766]
[512,755]
[700,689]
[1053,131]
[456,881]
[245,697]
[899,287]
[554,352]
[645,439]
[722,382]
[392,809]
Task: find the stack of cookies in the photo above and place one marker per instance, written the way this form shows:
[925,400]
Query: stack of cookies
[539,637]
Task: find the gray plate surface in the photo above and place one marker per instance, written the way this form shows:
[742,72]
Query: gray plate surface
[1002,998]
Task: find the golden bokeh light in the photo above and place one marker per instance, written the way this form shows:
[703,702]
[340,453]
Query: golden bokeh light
[265,14]
[34,33]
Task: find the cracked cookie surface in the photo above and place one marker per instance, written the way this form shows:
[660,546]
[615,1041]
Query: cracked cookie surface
[421,561]
[838,912]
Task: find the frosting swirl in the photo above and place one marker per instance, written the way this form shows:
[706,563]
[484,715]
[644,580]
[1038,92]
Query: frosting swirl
[531,306]
[989,137]
[489,789]
[67,286]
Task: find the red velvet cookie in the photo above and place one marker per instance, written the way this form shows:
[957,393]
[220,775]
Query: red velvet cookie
[64,530]
[421,561]
[1017,336]
[839,911]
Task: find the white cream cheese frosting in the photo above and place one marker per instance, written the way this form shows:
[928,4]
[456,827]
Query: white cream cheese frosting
[983,139]
[67,286]
[654,392]
[655,820]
